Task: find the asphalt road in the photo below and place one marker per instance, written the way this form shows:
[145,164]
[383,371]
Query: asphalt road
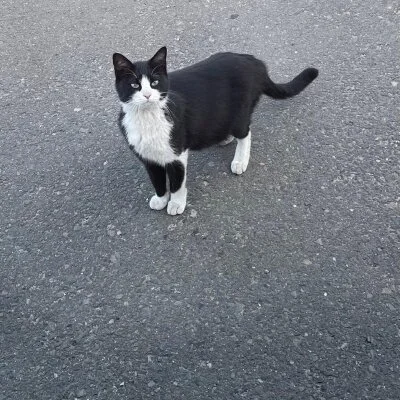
[279,284]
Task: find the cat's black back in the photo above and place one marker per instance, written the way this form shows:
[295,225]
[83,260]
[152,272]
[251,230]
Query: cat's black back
[217,96]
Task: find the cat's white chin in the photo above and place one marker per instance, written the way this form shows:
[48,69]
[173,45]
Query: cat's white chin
[149,105]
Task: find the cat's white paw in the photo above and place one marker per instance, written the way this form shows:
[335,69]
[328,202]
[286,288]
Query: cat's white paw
[158,203]
[228,140]
[175,207]
[242,155]
[238,167]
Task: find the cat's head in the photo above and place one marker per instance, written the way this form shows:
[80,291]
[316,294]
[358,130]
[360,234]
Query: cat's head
[143,84]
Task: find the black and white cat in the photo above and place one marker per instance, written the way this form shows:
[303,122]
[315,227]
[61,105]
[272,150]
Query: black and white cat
[165,115]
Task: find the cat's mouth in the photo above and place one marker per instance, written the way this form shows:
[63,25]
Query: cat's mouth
[146,105]
[148,102]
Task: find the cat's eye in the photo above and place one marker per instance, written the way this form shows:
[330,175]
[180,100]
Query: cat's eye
[135,85]
[154,83]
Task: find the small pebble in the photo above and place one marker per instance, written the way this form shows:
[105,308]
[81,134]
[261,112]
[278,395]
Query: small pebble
[372,368]
[193,213]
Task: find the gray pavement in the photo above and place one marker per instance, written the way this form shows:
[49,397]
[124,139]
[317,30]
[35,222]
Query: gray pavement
[281,284]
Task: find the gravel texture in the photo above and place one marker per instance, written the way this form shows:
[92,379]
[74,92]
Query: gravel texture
[281,284]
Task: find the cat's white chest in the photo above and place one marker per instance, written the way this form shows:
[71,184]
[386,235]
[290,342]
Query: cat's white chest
[148,131]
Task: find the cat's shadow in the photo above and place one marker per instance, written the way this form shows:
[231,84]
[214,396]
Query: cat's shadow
[126,182]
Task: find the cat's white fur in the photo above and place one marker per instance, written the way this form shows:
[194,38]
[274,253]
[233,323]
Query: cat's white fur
[147,128]
[242,155]
[177,203]
[158,203]
[148,131]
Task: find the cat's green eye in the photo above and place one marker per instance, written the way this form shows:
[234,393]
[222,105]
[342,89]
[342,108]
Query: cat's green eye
[135,85]
[154,83]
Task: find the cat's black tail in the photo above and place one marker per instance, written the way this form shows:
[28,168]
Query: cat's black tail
[285,90]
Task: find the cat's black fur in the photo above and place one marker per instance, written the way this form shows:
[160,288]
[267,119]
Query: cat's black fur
[214,98]
[220,94]
[207,102]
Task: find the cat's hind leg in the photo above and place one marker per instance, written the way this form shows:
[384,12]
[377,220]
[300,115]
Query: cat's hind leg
[242,154]
[228,140]
[177,181]
[158,177]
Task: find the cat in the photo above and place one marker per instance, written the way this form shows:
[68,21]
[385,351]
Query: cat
[164,115]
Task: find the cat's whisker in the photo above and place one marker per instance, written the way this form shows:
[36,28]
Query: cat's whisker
[169,111]
[169,100]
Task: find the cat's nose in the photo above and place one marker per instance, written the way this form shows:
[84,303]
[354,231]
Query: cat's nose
[147,95]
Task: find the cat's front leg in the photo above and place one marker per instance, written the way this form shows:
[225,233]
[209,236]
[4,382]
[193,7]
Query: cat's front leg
[176,172]
[158,177]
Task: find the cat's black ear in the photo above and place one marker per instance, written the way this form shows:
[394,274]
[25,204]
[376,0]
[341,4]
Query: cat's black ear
[121,63]
[160,58]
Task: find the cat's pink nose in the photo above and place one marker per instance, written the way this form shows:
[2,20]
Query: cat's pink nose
[147,96]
